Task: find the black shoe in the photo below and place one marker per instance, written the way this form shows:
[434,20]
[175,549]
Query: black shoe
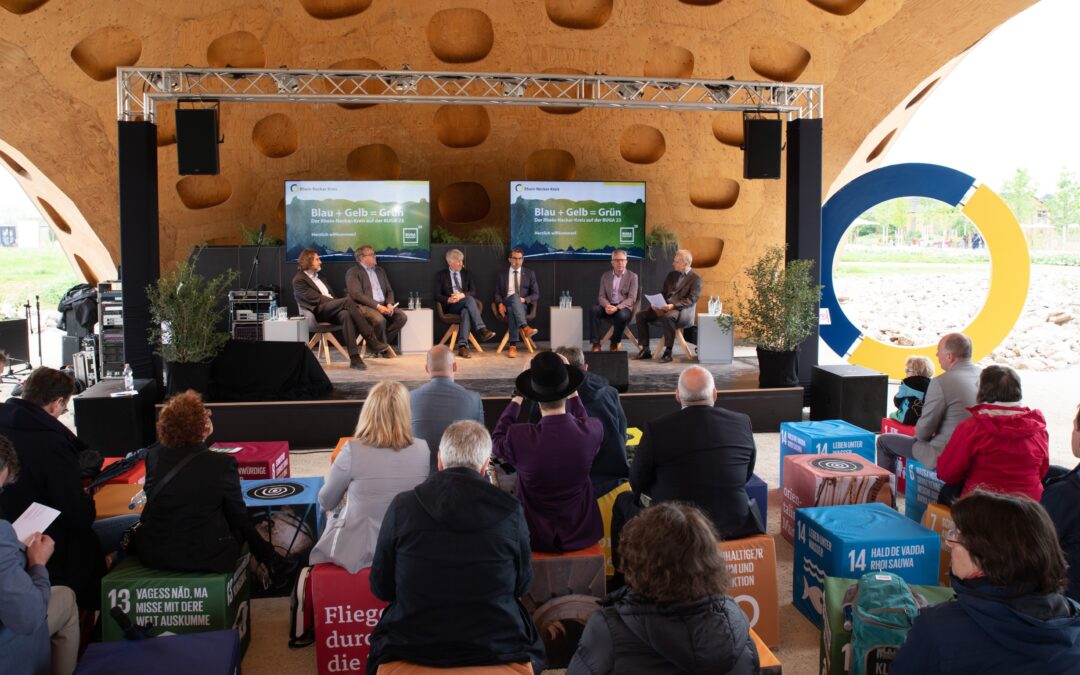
[666,356]
[463,352]
[388,353]
[487,335]
[357,363]
[643,355]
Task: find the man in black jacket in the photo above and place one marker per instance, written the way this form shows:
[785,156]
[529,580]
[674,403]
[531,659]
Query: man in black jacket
[452,560]
[455,290]
[370,289]
[681,291]
[602,402]
[315,295]
[50,474]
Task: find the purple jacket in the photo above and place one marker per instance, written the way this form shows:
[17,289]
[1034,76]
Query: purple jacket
[553,458]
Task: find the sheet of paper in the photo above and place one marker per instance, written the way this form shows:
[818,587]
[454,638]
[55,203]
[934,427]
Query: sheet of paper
[656,300]
[36,518]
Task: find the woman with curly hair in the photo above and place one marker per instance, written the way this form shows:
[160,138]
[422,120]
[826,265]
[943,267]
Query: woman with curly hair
[673,615]
[195,520]
[1009,614]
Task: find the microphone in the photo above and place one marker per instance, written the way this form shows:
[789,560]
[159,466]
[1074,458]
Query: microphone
[262,232]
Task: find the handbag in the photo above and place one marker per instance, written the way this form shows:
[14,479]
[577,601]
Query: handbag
[127,539]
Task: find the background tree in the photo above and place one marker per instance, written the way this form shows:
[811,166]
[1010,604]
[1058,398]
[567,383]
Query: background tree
[1064,205]
[1019,193]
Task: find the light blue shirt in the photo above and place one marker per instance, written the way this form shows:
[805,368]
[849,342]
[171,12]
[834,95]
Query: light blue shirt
[376,290]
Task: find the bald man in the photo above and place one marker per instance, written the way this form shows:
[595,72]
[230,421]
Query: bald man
[944,407]
[440,401]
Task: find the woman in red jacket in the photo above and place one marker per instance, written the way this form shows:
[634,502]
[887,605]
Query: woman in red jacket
[1003,446]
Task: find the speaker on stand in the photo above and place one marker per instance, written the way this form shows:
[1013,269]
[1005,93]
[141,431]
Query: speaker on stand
[197,141]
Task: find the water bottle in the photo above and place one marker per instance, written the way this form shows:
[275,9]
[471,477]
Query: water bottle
[273,310]
[569,300]
[414,301]
[129,378]
[138,500]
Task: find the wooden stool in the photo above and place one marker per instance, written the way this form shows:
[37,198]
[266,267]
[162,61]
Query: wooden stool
[682,343]
[767,661]
[567,589]
[751,564]
[113,499]
[322,336]
[626,334]
[938,518]
[529,316]
[453,321]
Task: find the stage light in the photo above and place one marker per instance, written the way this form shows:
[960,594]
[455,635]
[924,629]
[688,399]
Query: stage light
[287,84]
[629,92]
[404,85]
[515,88]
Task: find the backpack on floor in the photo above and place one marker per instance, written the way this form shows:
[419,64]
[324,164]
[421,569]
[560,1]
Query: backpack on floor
[879,610]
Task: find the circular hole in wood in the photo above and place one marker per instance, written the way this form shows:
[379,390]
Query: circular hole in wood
[84,268]
[583,14]
[239,49]
[460,35]
[202,192]
[922,93]
[553,88]
[334,9]
[838,7]
[377,161]
[55,216]
[714,193]
[779,59]
[880,147]
[642,144]
[666,60]
[100,53]
[275,136]
[706,250]
[728,129]
[15,167]
[21,6]
[464,202]
[461,126]
[550,164]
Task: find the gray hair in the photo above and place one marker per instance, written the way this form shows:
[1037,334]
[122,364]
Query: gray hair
[454,254]
[618,251]
[466,443]
[958,344]
[696,385]
[572,354]
[686,255]
[440,359]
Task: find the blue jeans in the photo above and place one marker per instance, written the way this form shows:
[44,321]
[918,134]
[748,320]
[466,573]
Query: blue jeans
[470,318]
[109,530]
[515,318]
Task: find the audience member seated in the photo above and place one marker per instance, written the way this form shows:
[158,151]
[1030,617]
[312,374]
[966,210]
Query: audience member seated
[918,370]
[383,460]
[515,291]
[553,457]
[452,561]
[50,474]
[615,302]
[314,294]
[673,615]
[31,612]
[440,401]
[601,401]
[455,290]
[1062,501]
[945,406]
[681,291]
[195,519]
[1009,614]
[370,289]
[1002,447]
[702,454]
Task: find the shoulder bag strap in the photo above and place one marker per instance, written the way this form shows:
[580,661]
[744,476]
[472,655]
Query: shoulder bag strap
[173,471]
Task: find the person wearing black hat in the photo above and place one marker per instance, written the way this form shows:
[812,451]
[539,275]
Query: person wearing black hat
[553,457]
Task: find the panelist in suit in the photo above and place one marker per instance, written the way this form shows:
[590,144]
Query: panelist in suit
[455,290]
[316,296]
[514,290]
[681,290]
[370,289]
[616,301]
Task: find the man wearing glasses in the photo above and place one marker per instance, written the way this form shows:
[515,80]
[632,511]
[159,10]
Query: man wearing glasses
[370,289]
[616,301]
[515,291]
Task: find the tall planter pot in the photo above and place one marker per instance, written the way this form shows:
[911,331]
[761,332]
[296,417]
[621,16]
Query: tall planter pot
[777,369]
[179,377]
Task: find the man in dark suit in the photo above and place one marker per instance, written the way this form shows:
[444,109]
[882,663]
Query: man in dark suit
[370,289]
[316,296]
[702,455]
[681,290]
[516,290]
[455,290]
[616,301]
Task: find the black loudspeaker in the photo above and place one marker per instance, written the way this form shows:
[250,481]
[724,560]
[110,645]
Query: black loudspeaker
[763,140]
[851,393]
[197,141]
[613,366]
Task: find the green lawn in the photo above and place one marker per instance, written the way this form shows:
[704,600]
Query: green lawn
[845,269]
[27,272]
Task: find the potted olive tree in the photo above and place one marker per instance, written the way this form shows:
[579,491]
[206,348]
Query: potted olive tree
[186,313]
[778,312]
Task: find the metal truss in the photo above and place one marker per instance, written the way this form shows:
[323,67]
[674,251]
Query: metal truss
[140,89]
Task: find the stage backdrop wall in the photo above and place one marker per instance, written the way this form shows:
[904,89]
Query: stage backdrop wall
[581,278]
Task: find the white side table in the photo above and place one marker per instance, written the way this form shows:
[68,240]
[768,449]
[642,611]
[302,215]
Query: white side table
[566,327]
[288,330]
[714,345]
[416,335]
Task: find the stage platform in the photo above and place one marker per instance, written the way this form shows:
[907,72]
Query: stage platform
[649,394]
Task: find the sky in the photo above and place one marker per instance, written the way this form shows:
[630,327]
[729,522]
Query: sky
[1012,102]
